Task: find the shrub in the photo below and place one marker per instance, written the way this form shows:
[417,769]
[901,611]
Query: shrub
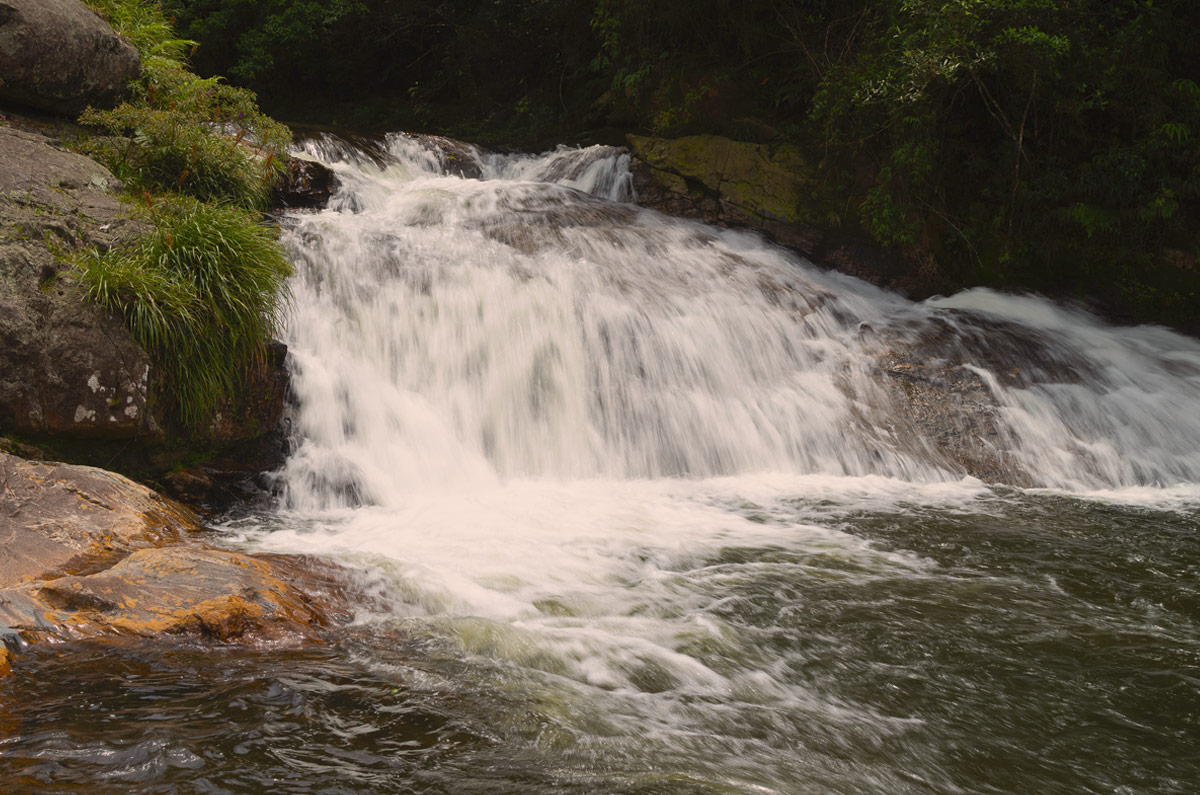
[201,293]
[180,132]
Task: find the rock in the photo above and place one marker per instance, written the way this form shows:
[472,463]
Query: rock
[730,183]
[940,406]
[87,553]
[191,484]
[945,411]
[307,184]
[58,519]
[771,189]
[64,368]
[72,379]
[456,158]
[258,409]
[60,56]
[193,590]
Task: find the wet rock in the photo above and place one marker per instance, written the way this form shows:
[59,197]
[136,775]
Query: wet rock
[193,590]
[307,184]
[943,409]
[86,553]
[57,519]
[7,637]
[192,484]
[942,405]
[60,56]
[456,158]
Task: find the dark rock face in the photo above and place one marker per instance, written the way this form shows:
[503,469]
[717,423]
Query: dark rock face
[59,56]
[64,368]
[307,184]
[71,377]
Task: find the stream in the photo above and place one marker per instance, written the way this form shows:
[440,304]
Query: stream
[638,505]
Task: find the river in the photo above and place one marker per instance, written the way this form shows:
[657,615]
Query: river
[636,505]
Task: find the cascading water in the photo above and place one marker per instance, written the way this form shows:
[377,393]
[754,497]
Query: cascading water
[645,506]
[458,331]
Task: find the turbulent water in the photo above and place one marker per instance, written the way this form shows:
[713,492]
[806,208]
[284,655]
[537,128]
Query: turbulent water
[644,506]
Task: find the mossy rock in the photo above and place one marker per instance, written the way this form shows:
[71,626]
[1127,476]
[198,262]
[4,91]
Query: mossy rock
[772,182]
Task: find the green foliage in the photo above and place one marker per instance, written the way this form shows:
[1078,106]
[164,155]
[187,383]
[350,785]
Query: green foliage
[142,23]
[181,132]
[201,293]
[359,62]
[1056,139]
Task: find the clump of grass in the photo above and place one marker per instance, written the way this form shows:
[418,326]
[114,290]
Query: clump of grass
[180,132]
[202,290]
[201,293]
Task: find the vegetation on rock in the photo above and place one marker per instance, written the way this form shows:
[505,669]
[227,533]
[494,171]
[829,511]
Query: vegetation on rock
[181,132]
[201,294]
[201,291]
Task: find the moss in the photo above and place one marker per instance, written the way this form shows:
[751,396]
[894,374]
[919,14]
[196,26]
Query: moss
[773,182]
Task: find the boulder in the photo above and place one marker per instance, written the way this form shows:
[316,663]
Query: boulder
[65,369]
[72,379]
[772,189]
[60,56]
[181,590]
[57,519]
[730,183]
[88,553]
[456,158]
[307,184]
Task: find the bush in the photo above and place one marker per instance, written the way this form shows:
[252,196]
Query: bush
[201,293]
[181,132]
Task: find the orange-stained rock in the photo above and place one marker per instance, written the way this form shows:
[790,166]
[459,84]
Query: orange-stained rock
[86,553]
[58,519]
[197,590]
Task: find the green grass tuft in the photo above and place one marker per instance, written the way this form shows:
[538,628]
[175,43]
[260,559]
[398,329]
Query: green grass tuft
[201,293]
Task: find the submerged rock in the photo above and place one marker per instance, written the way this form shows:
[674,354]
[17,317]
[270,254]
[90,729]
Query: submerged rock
[60,56]
[86,553]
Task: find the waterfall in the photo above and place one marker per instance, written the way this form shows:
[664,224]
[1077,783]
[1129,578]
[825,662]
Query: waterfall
[644,506]
[531,322]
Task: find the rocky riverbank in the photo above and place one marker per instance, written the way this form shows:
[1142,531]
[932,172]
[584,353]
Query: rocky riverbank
[86,552]
[73,382]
